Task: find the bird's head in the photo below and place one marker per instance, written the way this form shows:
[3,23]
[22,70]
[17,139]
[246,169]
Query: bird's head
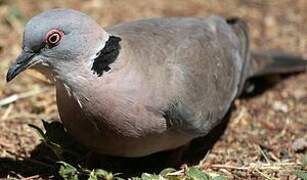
[57,39]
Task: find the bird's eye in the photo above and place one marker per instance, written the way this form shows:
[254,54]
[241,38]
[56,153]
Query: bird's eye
[53,37]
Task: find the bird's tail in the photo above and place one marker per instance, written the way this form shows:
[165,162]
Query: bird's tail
[262,63]
[274,62]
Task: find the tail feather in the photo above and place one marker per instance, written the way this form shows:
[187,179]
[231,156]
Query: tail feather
[263,62]
[274,62]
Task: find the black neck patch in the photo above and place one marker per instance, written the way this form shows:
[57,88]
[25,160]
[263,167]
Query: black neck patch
[106,56]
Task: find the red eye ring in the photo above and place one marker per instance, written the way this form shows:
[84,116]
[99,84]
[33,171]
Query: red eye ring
[53,37]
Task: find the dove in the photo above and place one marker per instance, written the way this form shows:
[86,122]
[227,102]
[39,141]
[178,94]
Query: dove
[137,88]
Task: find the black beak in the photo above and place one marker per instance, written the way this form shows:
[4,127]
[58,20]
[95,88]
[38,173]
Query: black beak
[23,61]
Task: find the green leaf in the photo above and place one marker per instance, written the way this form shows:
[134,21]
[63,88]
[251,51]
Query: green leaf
[101,172]
[301,174]
[146,176]
[196,174]
[135,178]
[104,174]
[67,171]
[38,131]
[58,137]
[56,148]
[107,175]
[93,175]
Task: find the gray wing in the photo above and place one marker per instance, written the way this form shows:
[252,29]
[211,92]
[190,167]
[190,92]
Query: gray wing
[194,66]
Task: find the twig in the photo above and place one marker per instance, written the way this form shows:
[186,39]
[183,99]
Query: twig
[176,173]
[263,174]
[263,154]
[229,167]
[7,112]
[32,177]
[272,166]
[15,97]
[204,159]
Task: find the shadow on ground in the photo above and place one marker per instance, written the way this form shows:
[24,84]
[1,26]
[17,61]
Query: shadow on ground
[28,167]
[43,161]
[258,85]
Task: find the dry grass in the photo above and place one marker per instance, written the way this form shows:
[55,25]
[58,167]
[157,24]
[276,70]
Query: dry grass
[266,137]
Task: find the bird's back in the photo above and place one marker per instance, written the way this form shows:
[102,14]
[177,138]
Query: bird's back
[193,66]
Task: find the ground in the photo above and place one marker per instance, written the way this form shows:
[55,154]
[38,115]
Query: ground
[266,136]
